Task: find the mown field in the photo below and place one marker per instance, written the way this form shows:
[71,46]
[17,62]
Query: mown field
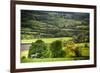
[85,52]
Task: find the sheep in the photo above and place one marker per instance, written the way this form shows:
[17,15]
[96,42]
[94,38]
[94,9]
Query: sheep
[34,55]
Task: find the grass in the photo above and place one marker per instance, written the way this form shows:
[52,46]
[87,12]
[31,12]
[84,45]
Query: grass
[46,40]
[24,53]
[27,60]
[85,51]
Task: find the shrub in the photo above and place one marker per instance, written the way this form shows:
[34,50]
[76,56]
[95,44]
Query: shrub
[78,51]
[40,42]
[56,49]
[69,48]
[23,57]
[64,43]
[56,45]
[86,45]
[72,49]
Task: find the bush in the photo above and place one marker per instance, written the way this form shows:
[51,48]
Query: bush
[56,49]
[64,43]
[23,57]
[40,42]
[39,48]
[56,45]
[69,48]
[78,51]
[86,45]
[72,49]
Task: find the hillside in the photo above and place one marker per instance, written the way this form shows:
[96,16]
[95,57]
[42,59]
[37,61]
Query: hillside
[42,24]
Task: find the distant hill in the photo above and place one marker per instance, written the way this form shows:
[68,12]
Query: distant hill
[53,24]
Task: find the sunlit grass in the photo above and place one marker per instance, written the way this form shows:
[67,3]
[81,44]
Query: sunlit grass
[85,53]
[24,53]
[25,59]
[46,40]
[28,60]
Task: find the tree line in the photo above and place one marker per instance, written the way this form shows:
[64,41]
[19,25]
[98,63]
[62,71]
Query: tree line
[40,49]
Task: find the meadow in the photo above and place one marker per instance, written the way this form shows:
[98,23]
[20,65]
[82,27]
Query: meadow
[25,59]
[46,40]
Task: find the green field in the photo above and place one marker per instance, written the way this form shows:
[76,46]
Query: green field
[28,60]
[85,53]
[46,40]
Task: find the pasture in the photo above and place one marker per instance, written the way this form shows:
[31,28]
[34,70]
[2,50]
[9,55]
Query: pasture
[46,40]
[25,59]
[28,60]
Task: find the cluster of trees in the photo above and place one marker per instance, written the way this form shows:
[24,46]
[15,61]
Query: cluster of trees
[43,51]
[81,38]
[40,49]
